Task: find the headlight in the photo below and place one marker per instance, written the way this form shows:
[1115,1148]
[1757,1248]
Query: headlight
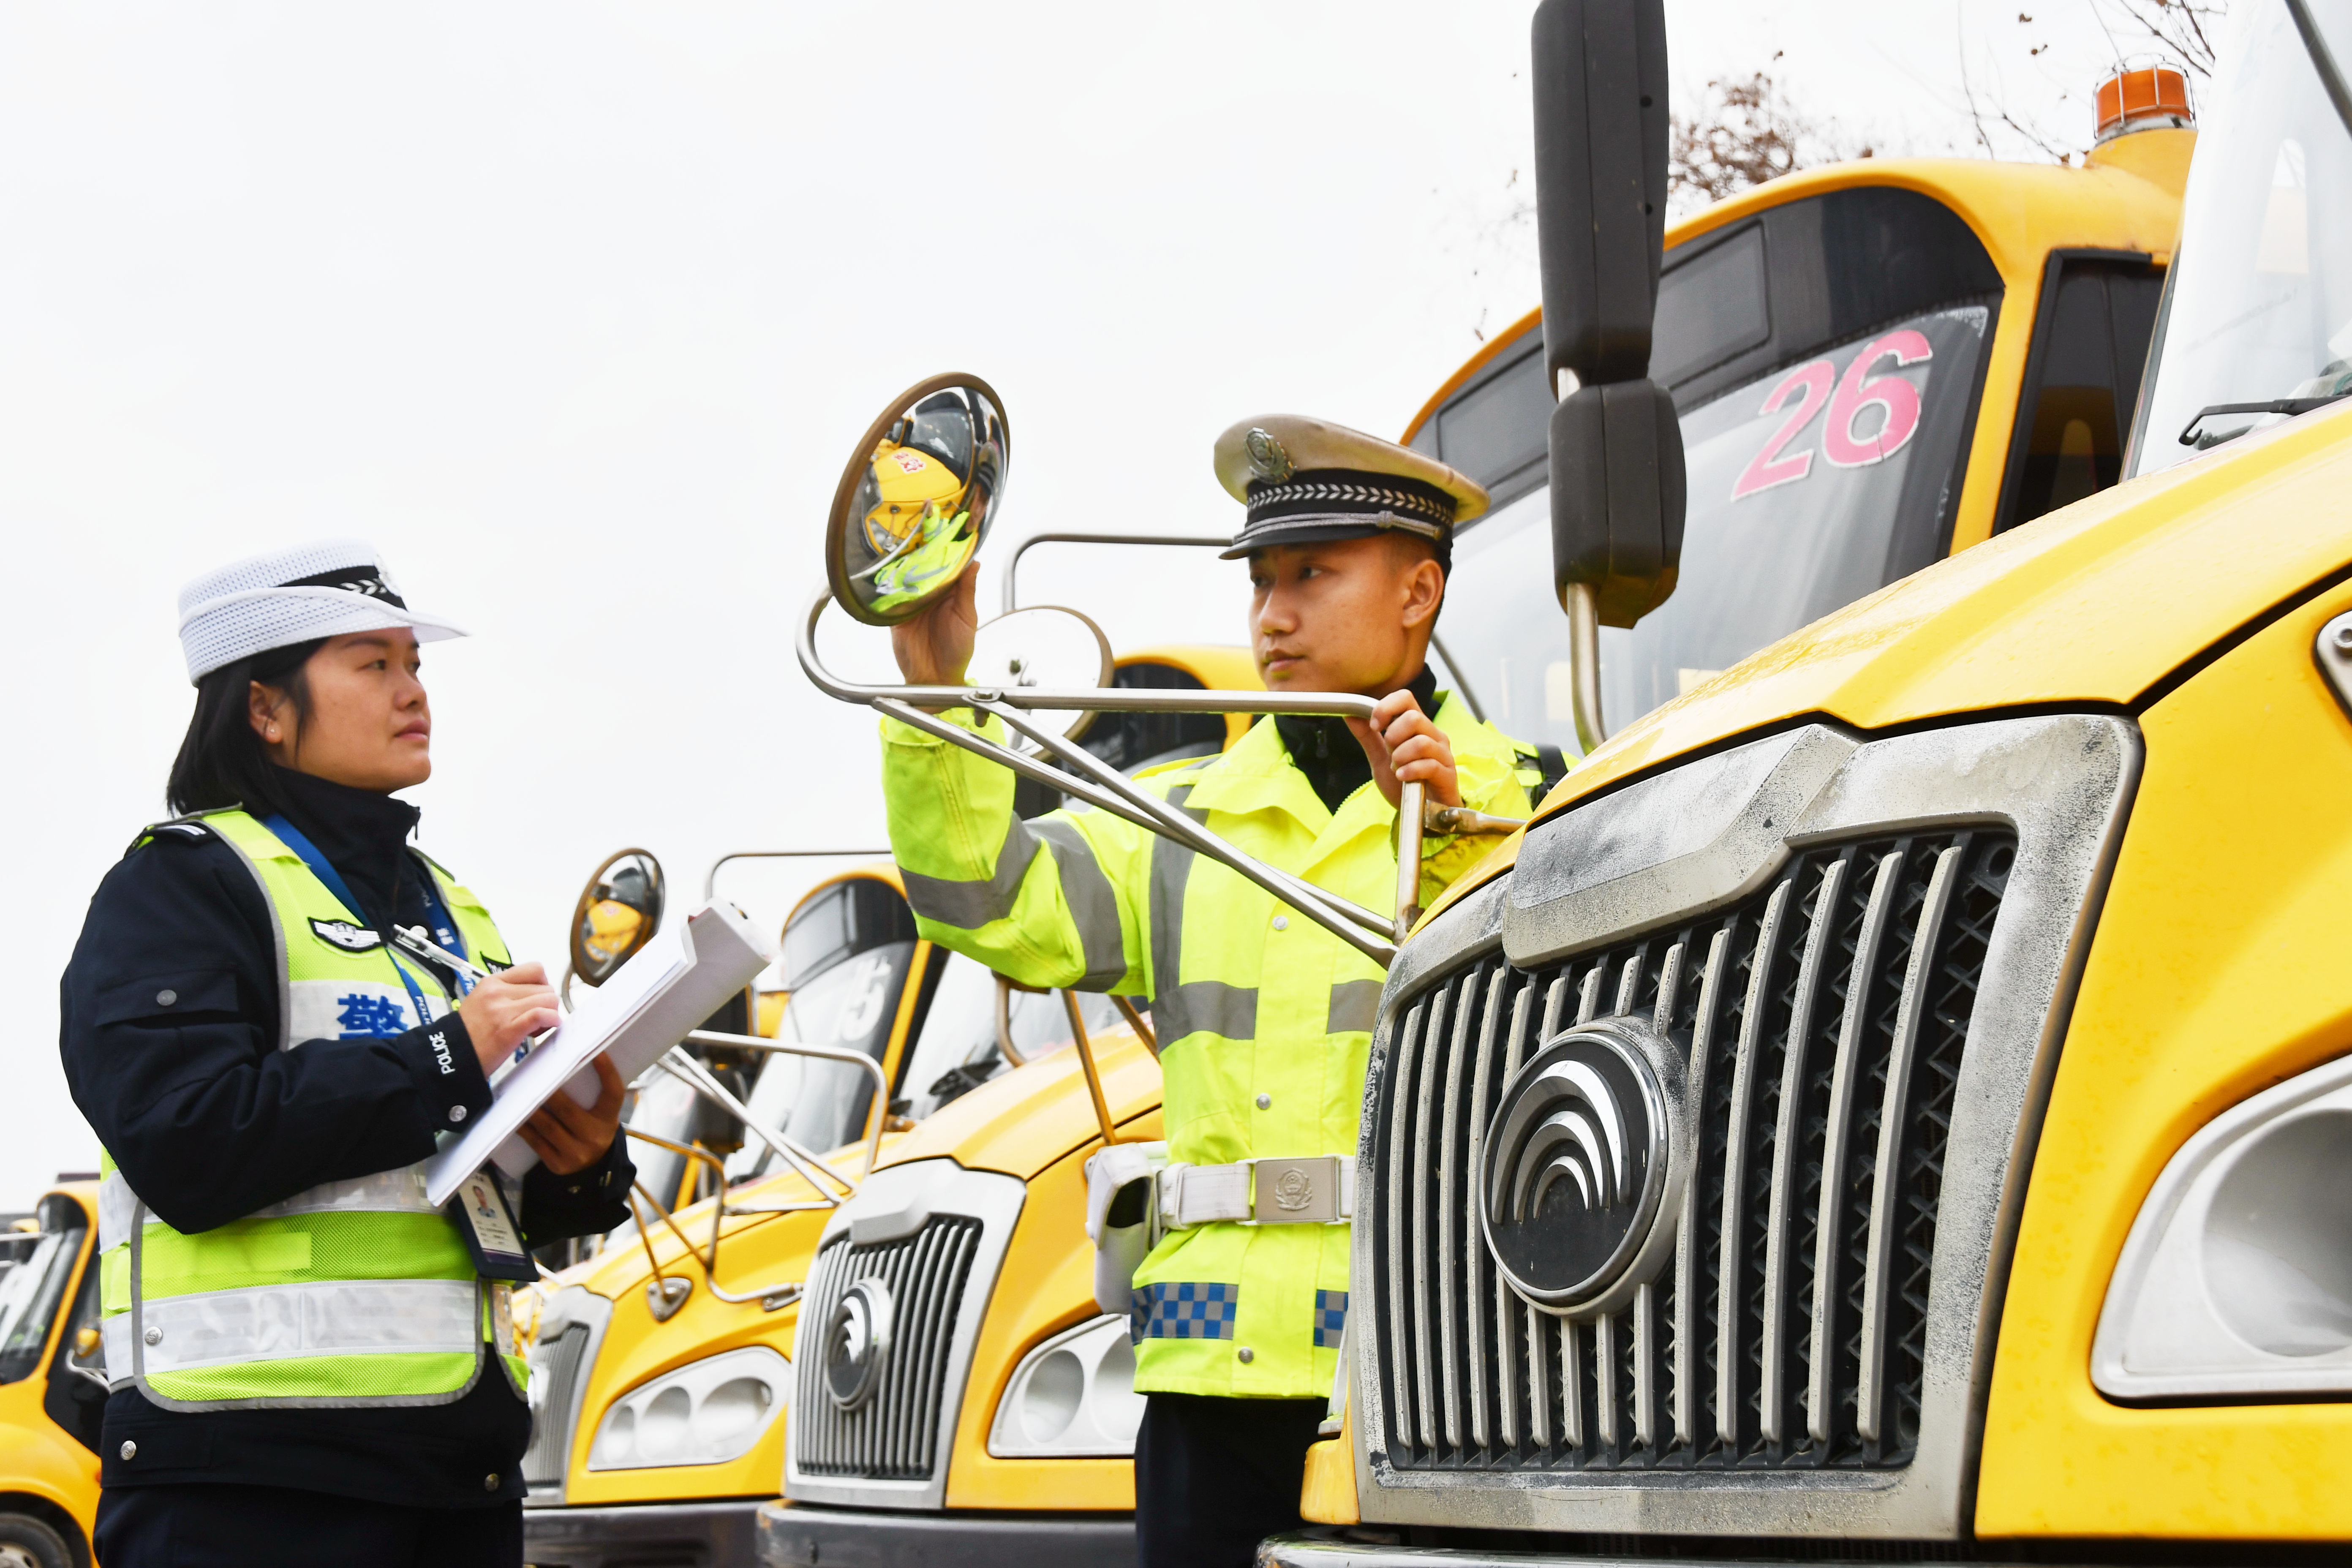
[2237,1277]
[704,1413]
[1071,1398]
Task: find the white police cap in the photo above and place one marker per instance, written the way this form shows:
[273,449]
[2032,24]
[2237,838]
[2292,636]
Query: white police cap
[328,589]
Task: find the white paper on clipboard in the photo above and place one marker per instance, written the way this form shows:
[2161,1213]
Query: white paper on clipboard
[675,981]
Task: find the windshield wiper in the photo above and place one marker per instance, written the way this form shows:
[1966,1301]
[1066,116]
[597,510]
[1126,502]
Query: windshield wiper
[2323,60]
[2287,405]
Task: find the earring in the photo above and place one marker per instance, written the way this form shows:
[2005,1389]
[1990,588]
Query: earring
[272,734]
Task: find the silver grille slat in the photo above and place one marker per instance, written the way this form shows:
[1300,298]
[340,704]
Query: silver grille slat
[1473,1245]
[1730,1293]
[1877,1274]
[1449,1218]
[1425,1386]
[1686,1237]
[1828,1228]
[1398,1359]
[1788,1007]
[1772,1397]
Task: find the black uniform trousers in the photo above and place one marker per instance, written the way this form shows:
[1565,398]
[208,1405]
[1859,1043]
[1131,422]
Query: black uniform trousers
[1215,1476]
[217,1526]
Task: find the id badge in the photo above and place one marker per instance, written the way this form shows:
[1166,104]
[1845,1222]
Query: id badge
[490,1228]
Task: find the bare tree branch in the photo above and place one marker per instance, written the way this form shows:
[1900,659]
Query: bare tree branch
[1744,134]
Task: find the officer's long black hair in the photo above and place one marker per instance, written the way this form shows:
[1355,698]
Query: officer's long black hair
[222,762]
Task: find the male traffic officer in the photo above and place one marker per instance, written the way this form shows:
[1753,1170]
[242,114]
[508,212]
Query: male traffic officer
[1263,1018]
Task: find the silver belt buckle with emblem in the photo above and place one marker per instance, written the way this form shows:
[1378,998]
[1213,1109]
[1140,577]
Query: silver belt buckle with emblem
[1294,1192]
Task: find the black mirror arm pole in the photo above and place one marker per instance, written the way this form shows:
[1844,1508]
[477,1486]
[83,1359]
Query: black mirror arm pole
[2323,60]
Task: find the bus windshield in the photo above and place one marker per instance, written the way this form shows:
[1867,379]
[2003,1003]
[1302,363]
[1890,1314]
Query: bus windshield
[2257,324]
[1825,357]
[1810,487]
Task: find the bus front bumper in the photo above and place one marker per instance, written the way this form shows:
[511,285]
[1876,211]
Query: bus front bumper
[717,1534]
[804,1535]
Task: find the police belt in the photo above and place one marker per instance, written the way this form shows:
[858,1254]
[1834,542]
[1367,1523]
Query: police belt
[1318,1189]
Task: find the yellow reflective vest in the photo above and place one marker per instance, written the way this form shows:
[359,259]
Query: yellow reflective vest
[353,1293]
[1263,1018]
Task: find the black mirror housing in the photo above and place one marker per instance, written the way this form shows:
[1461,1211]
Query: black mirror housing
[1618,494]
[1600,71]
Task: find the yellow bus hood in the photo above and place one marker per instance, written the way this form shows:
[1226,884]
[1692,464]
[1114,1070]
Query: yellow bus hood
[2100,603]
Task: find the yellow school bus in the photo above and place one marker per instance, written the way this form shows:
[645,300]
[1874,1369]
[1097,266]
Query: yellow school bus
[1958,974]
[52,1380]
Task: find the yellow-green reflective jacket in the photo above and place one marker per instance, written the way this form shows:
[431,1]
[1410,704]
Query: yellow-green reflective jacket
[353,1293]
[1263,1018]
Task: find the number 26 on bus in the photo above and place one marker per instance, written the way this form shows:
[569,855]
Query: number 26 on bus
[1809,386]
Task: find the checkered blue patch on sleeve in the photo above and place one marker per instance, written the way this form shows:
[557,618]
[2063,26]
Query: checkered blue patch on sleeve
[1183,1311]
[1330,1318]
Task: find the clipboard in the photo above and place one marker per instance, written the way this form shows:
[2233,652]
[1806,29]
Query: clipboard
[672,984]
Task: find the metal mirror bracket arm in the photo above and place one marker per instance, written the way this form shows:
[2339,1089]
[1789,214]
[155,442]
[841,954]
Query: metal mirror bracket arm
[1013,567]
[1582,603]
[1411,804]
[1004,756]
[1086,1060]
[1138,1023]
[812,1169]
[1004,1046]
[710,879]
[777,1141]
[686,1070]
[1096,699]
[1349,923]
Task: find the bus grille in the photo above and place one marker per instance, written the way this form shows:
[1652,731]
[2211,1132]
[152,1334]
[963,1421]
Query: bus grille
[555,1369]
[894,1435]
[1788,1329]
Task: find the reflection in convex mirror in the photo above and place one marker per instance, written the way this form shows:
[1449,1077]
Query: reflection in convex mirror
[618,912]
[916,499]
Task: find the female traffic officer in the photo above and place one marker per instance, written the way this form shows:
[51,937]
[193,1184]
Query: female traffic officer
[311,1363]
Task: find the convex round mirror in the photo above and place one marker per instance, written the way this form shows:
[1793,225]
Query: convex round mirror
[618,912]
[917,498]
[1046,646]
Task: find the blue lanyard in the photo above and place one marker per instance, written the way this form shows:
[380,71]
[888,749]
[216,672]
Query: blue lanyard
[445,930]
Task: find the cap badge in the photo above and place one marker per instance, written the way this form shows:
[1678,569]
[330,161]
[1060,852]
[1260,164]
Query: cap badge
[1267,459]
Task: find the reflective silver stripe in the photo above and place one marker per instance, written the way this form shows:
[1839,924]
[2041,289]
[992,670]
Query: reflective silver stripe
[1171,867]
[1355,1004]
[1094,908]
[117,1211]
[1209,1005]
[967,906]
[279,1322]
[386,1192]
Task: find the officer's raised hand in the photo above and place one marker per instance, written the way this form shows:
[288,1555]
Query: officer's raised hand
[1404,747]
[506,1010]
[933,647]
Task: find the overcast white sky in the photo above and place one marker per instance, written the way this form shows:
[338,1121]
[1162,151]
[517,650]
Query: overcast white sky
[574,309]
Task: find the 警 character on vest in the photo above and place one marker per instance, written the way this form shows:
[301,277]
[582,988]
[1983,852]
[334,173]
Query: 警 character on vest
[1263,1017]
[308,1359]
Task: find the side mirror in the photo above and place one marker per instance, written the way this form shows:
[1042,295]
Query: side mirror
[917,498]
[1618,487]
[618,912]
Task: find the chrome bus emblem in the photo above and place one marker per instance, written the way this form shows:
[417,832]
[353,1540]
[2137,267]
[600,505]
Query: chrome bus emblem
[857,1343]
[1576,1166]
